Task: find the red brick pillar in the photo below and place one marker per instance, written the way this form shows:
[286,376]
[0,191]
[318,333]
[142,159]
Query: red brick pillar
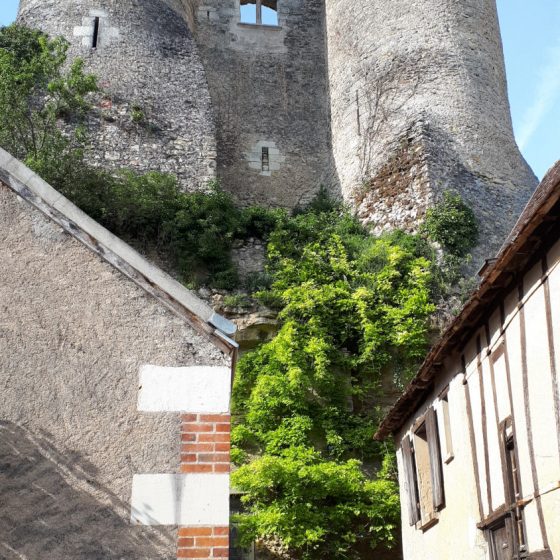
[205,448]
[202,543]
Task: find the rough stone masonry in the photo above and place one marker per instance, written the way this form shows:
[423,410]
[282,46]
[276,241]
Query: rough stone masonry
[386,102]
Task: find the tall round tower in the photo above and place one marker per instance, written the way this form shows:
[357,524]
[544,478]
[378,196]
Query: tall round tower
[419,105]
[155,111]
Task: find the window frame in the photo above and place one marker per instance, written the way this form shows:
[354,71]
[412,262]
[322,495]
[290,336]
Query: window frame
[259,14]
[424,502]
[449,454]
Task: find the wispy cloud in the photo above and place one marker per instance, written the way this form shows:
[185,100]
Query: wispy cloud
[546,94]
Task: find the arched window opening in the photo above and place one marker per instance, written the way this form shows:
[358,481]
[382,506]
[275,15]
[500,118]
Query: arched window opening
[259,12]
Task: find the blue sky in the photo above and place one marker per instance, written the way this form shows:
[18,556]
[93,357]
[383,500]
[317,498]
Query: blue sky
[532,49]
[531,36]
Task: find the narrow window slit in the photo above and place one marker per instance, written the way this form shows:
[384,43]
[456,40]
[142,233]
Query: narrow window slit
[95,33]
[265,160]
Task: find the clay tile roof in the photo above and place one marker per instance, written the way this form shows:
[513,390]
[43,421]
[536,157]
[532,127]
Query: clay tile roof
[161,286]
[539,221]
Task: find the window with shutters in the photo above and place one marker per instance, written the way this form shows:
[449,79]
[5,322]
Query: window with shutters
[424,472]
[448,439]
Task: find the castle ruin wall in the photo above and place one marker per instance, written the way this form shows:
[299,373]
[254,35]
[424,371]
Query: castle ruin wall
[270,95]
[428,74]
[156,113]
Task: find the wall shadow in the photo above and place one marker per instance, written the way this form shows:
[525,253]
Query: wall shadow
[46,512]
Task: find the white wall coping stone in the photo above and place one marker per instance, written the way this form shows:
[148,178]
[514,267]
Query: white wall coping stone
[30,186]
[195,389]
[191,500]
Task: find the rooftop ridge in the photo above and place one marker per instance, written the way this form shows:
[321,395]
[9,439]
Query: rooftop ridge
[29,186]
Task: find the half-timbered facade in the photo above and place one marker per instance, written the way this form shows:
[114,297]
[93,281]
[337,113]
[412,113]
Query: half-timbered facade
[478,429]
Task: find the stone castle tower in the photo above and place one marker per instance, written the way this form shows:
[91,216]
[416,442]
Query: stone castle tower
[386,102]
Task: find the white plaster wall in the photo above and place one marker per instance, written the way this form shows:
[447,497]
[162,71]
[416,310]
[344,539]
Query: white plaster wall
[456,526]
[551,510]
[540,385]
[554,284]
[513,338]
[493,439]
[473,386]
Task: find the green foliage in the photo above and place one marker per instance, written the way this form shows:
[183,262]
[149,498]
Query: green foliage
[321,508]
[137,114]
[36,90]
[452,224]
[194,232]
[237,300]
[352,306]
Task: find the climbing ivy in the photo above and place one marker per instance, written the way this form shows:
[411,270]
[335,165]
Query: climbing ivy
[353,309]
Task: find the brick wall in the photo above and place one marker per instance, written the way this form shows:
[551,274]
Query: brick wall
[203,542]
[205,448]
[205,443]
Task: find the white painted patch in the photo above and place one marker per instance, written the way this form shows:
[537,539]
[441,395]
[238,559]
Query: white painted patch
[254,157]
[86,30]
[184,389]
[180,499]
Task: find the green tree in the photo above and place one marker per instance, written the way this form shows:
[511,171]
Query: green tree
[37,92]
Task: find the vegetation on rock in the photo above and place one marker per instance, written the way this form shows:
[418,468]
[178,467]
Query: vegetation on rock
[352,307]
[452,224]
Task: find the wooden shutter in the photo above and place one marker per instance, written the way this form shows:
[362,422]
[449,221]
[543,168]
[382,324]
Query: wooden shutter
[435,459]
[410,481]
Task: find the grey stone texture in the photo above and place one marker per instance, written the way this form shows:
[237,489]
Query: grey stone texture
[157,113]
[249,257]
[338,93]
[419,105]
[73,334]
[269,89]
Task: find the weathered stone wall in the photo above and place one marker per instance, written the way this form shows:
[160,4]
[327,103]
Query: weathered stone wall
[157,113]
[74,333]
[429,73]
[269,90]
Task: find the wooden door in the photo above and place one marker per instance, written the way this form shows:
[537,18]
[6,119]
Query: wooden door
[502,545]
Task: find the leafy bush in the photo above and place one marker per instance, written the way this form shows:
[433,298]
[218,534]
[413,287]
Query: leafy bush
[452,224]
[194,232]
[321,508]
[352,305]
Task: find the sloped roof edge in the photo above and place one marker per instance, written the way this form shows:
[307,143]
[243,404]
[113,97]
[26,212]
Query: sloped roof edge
[28,185]
[514,254]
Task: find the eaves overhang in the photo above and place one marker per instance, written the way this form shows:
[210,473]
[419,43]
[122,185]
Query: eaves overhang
[538,224]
